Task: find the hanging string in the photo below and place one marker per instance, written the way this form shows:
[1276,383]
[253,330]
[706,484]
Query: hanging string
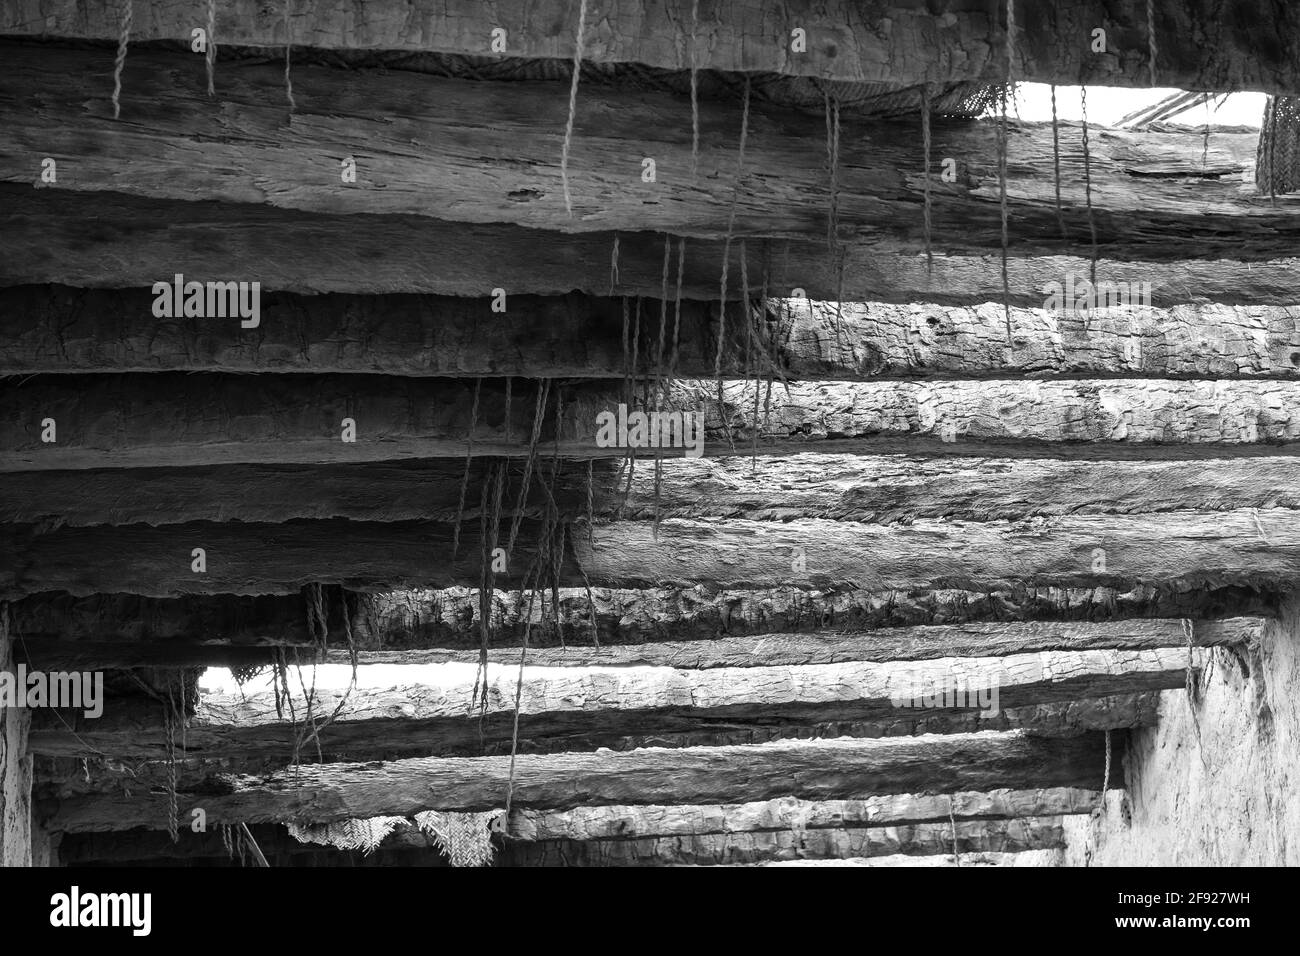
[695,93]
[726,253]
[677,312]
[288,46]
[952,830]
[1002,203]
[469,458]
[1105,780]
[832,107]
[613,266]
[1087,186]
[1056,163]
[1002,168]
[925,145]
[573,105]
[1151,38]
[123,38]
[212,45]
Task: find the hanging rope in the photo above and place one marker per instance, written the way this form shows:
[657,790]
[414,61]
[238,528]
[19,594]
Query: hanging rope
[1056,163]
[124,36]
[573,105]
[1151,39]
[1002,168]
[613,266]
[469,459]
[695,93]
[925,147]
[952,830]
[1105,780]
[1087,187]
[211,57]
[731,225]
[288,47]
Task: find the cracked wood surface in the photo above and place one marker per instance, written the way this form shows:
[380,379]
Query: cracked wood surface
[65,329]
[136,241]
[1201,46]
[490,153]
[811,770]
[433,719]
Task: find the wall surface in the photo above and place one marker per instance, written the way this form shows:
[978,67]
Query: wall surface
[1214,785]
[15,769]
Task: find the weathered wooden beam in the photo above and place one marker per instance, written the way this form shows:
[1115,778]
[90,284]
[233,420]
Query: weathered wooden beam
[65,329]
[810,770]
[888,488]
[177,419]
[615,823]
[841,487]
[129,630]
[926,642]
[894,42]
[739,848]
[922,839]
[172,419]
[441,720]
[83,773]
[135,241]
[1176,549]
[493,156]
[883,644]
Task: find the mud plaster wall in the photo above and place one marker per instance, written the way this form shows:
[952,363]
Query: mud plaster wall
[1223,790]
[15,773]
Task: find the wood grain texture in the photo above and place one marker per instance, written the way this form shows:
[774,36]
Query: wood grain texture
[615,823]
[574,706]
[490,153]
[134,241]
[173,419]
[1176,549]
[66,329]
[446,620]
[892,42]
[814,770]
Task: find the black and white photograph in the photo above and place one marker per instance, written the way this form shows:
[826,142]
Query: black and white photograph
[691,434]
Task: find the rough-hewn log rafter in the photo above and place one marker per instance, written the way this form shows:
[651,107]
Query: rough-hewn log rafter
[440,720]
[490,152]
[1179,549]
[812,770]
[138,241]
[64,329]
[1201,46]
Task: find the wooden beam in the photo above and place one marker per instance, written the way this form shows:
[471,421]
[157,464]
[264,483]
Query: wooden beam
[134,241]
[83,773]
[620,823]
[173,419]
[894,42]
[491,153]
[886,488]
[927,642]
[883,644]
[447,620]
[1175,549]
[810,485]
[330,792]
[441,720]
[922,839]
[65,329]
[177,419]
[1178,547]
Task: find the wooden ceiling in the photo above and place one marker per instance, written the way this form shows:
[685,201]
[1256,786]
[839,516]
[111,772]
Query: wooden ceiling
[940,477]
